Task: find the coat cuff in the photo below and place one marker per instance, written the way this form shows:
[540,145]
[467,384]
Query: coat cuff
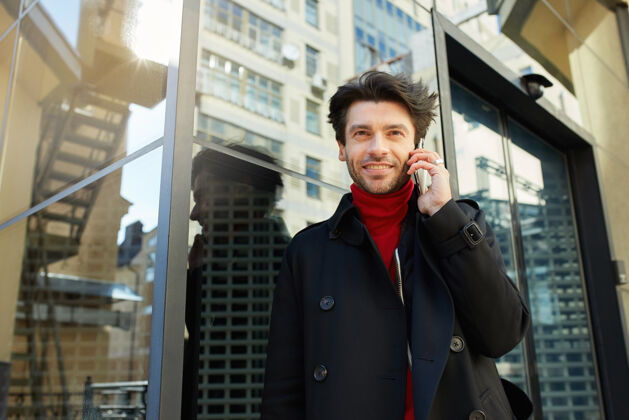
[446,223]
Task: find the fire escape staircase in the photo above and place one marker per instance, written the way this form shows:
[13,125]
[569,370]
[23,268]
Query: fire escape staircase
[81,132]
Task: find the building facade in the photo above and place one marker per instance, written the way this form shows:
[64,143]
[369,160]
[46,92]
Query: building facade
[157,156]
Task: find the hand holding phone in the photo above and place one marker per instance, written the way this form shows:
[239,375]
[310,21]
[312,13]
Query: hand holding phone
[420,176]
[423,163]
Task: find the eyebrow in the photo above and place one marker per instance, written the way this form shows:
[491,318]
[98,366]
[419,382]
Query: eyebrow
[354,127]
[397,127]
[402,127]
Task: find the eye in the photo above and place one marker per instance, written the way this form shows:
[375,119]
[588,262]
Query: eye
[360,133]
[396,133]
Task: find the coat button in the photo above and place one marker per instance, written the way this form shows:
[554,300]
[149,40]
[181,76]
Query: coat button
[477,415]
[320,373]
[457,345]
[326,303]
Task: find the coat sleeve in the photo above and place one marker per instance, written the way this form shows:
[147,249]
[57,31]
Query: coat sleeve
[488,305]
[283,394]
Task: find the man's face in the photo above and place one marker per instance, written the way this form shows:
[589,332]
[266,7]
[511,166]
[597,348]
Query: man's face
[201,196]
[378,139]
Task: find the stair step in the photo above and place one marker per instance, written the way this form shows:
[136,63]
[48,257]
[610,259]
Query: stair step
[79,160]
[62,176]
[63,218]
[70,199]
[99,101]
[21,331]
[20,356]
[89,142]
[75,201]
[19,381]
[96,122]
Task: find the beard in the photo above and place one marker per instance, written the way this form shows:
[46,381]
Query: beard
[384,186]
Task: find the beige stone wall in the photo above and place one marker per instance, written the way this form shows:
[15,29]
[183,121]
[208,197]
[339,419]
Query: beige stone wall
[11,250]
[600,82]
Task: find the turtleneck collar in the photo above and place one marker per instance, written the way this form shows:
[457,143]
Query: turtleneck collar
[380,212]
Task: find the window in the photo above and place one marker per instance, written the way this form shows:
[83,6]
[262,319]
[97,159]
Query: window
[312,118]
[312,61]
[313,170]
[312,12]
[221,132]
[232,82]
[389,25]
[232,21]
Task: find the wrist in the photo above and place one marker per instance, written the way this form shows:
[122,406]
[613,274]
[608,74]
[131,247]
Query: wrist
[435,208]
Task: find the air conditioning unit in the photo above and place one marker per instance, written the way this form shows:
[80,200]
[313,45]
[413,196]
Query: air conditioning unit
[290,53]
[319,82]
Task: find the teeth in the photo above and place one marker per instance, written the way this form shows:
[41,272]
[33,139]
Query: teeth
[377,166]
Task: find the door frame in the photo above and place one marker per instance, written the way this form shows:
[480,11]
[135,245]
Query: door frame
[462,59]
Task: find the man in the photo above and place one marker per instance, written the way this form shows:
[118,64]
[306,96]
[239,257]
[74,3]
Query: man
[396,306]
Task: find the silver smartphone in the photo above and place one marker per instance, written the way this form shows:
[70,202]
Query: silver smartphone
[420,176]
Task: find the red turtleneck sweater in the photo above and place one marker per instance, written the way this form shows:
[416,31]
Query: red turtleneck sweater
[382,214]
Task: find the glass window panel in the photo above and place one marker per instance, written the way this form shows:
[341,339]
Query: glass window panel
[313,170]
[482,177]
[77,295]
[224,82]
[260,35]
[80,102]
[396,41]
[242,218]
[313,124]
[312,58]
[558,309]
[312,12]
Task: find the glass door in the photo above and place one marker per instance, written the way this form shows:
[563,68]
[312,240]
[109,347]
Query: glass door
[522,183]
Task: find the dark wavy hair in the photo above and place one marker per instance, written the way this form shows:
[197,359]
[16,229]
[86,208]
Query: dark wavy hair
[378,86]
[225,167]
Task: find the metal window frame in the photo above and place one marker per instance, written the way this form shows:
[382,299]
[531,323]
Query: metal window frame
[461,58]
[169,294]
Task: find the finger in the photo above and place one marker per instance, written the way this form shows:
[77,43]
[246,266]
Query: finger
[432,168]
[425,155]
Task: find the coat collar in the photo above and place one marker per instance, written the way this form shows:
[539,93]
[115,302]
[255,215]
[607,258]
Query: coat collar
[345,222]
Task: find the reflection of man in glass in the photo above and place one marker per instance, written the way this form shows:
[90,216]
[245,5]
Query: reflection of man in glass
[232,265]
[396,306]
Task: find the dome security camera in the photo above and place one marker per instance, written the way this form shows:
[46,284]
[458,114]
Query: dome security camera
[534,84]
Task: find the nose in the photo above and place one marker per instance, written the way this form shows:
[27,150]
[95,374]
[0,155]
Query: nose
[194,214]
[377,146]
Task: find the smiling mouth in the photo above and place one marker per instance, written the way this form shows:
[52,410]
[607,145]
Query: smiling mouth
[376,166]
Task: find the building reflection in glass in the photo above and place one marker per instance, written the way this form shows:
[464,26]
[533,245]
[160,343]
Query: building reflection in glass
[482,177]
[233,263]
[560,320]
[81,326]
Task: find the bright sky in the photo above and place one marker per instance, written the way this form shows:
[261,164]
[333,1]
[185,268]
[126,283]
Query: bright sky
[66,14]
[140,178]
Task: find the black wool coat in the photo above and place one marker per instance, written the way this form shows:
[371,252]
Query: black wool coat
[339,331]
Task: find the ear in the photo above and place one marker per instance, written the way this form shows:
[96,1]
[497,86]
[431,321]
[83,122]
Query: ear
[341,151]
